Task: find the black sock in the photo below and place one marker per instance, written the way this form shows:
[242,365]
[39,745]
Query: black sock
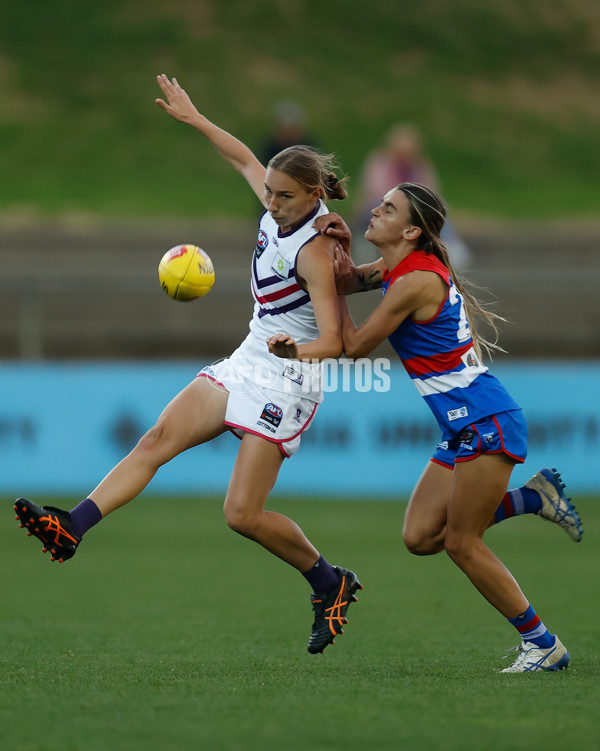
[322,576]
[84,516]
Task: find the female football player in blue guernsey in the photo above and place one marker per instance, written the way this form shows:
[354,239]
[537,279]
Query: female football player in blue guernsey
[266,401]
[428,317]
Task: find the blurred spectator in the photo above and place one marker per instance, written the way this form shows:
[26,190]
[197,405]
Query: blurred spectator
[401,159]
[289,129]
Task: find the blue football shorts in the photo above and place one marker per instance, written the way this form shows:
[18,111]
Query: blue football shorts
[504,433]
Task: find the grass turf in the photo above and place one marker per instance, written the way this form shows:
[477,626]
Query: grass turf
[505,94]
[168,631]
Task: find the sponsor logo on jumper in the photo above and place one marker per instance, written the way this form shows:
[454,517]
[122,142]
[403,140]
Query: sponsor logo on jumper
[470,359]
[272,414]
[456,414]
[280,266]
[292,374]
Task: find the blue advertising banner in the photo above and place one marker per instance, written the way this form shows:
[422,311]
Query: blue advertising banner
[63,426]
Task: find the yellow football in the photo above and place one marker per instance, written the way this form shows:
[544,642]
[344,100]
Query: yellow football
[186,272]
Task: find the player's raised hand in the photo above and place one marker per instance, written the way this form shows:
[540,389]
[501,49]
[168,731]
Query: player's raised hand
[178,104]
[284,346]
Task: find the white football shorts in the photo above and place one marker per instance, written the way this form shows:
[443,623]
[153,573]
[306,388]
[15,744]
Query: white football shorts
[278,416]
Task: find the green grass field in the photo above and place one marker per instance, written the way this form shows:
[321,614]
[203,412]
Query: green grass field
[505,94]
[170,632]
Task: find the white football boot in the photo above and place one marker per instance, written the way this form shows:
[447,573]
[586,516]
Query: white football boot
[556,507]
[532,659]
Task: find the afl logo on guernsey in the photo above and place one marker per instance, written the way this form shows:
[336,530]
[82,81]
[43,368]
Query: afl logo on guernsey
[261,243]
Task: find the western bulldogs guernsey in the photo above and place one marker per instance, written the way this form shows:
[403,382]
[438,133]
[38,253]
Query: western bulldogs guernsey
[439,356]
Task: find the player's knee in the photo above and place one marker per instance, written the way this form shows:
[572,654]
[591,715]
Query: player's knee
[422,543]
[152,446]
[422,546]
[151,438]
[239,519]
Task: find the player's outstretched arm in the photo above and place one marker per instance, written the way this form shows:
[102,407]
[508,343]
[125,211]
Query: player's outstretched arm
[181,108]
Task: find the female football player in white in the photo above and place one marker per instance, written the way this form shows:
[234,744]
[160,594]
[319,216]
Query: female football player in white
[267,401]
[428,315]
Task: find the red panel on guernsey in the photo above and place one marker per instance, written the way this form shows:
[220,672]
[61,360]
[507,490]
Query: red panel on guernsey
[417,260]
[279,294]
[441,363]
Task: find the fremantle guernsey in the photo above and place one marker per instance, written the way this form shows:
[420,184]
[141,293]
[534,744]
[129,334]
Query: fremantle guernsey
[439,356]
[282,305]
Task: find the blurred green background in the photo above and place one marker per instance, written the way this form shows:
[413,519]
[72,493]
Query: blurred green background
[505,93]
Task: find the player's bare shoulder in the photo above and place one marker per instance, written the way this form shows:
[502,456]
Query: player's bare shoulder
[321,244]
[315,259]
[318,250]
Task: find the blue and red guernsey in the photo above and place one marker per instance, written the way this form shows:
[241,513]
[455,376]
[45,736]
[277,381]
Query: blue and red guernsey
[440,358]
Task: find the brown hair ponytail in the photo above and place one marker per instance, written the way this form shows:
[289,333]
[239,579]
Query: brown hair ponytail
[312,170]
[428,212]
